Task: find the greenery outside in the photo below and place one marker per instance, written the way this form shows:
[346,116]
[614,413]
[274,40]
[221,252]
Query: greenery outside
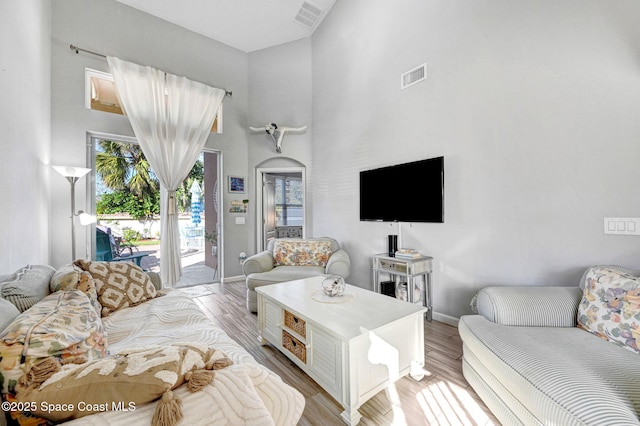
[128,185]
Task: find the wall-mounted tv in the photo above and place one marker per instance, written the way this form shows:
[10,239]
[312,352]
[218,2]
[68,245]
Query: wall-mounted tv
[408,192]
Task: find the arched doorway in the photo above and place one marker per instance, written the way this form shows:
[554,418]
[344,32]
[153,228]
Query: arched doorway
[280,203]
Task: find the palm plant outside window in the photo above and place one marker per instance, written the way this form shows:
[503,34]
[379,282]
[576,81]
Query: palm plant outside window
[127,184]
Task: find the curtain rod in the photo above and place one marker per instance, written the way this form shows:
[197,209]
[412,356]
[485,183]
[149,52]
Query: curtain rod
[78,50]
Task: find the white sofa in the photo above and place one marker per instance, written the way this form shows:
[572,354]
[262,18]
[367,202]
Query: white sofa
[263,269]
[526,358]
[243,393]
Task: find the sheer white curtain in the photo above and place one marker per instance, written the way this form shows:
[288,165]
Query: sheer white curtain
[171,117]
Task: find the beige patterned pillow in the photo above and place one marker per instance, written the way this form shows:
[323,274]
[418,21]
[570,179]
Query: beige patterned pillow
[301,252]
[119,284]
[125,380]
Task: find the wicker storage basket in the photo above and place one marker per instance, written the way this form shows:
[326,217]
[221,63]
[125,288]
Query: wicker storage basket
[294,346]
[294,323]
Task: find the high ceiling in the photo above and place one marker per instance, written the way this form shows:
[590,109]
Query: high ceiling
[247,25]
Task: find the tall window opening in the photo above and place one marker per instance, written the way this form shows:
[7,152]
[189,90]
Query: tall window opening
[127,204]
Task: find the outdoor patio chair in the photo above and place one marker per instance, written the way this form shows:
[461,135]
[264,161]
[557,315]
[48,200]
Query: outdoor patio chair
[107,251]
[121,247]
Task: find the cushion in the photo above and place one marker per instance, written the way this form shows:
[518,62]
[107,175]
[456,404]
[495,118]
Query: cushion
[335,246]
[27,286]
[552,376]
[119,284]
[301,252]
[71,277]
[610,306]
[123,381]
[8,312]
[63,325]
[628,271]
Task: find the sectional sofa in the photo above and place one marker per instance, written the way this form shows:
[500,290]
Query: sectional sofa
[558,355]
[97,343]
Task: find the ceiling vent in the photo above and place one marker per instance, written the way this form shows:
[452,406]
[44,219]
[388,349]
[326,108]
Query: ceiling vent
[308,15]
[413,76]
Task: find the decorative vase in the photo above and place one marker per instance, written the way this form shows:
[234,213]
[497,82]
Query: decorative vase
[333,286]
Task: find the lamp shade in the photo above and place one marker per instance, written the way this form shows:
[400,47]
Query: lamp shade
[86,218]
[70,171]
[72,174]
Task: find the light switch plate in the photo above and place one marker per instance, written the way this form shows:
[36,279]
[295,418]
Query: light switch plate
[622,225]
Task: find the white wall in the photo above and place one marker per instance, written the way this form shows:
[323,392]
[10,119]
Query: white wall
[25,127]
[111,28]
[534,106]
[280,92]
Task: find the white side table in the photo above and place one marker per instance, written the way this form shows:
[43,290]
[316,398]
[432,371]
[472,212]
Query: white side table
[415,272]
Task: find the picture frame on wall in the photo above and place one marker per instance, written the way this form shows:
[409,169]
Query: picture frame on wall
[236,184]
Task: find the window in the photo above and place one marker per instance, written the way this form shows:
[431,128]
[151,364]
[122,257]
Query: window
[100,95]
[289,201]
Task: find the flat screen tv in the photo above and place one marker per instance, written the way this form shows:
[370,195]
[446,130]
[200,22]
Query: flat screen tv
[409,192]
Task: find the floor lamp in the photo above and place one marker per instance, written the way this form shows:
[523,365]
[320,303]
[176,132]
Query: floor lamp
[73,174]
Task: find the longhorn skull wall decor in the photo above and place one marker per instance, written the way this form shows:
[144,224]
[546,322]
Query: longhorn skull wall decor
[277,133]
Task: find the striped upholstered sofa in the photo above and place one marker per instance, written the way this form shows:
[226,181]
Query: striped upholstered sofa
[558,355]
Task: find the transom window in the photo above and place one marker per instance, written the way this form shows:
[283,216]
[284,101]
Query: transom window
[100,95]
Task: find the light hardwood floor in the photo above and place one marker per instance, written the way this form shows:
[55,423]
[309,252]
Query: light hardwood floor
[442,397]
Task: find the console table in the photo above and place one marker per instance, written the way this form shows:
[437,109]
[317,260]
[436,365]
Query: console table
[409,271]
[353,346]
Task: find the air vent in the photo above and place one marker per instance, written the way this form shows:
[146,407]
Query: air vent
[413,76]
[308,15]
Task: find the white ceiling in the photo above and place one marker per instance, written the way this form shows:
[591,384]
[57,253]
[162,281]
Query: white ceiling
[247,25]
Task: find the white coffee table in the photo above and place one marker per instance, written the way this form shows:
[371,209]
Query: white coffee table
[353,346]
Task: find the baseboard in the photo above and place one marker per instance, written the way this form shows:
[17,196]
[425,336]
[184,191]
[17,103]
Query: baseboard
[447,319]
[231,279]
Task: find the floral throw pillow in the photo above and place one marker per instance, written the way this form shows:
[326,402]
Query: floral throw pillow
[610,306]
[301,253]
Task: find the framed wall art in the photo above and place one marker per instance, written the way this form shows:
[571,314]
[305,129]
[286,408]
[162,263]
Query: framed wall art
[236,184]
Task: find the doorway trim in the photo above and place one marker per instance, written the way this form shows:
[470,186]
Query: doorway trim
[220,201]
[260,172]
[91,136]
